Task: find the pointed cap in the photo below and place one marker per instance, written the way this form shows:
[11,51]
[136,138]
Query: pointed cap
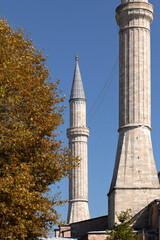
[77,85]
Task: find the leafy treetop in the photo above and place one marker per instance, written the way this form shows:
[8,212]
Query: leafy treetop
[31,157]
[123,230]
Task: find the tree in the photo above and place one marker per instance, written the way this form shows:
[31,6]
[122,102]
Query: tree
[124,229]
[31,157]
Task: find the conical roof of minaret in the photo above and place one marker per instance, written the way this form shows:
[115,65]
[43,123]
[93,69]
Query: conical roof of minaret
[77,90]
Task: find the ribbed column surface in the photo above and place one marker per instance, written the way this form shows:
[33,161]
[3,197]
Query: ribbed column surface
[134,65]
[78,181]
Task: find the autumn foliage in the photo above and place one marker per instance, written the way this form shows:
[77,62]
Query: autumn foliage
[31,159]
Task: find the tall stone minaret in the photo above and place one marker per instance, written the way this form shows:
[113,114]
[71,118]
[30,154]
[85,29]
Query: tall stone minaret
[78,134]
[135,182]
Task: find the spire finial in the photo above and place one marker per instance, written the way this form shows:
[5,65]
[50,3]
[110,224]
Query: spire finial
[76,58]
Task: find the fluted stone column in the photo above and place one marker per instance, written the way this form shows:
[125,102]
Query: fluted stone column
[78,134]
[135,182]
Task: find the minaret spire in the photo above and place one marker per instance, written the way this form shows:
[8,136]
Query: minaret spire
[78,134]
[77,91]
[135,181]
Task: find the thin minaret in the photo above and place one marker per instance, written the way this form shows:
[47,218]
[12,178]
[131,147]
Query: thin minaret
[78,134]
[135,183]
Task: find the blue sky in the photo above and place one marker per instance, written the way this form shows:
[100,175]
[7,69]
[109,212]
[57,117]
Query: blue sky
[88,28]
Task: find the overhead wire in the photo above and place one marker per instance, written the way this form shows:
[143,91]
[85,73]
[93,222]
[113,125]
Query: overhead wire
[103,92]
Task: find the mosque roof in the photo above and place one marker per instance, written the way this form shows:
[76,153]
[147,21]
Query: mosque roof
[77,90]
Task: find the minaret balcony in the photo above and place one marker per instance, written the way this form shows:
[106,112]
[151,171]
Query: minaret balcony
[134,15]
[77,131]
